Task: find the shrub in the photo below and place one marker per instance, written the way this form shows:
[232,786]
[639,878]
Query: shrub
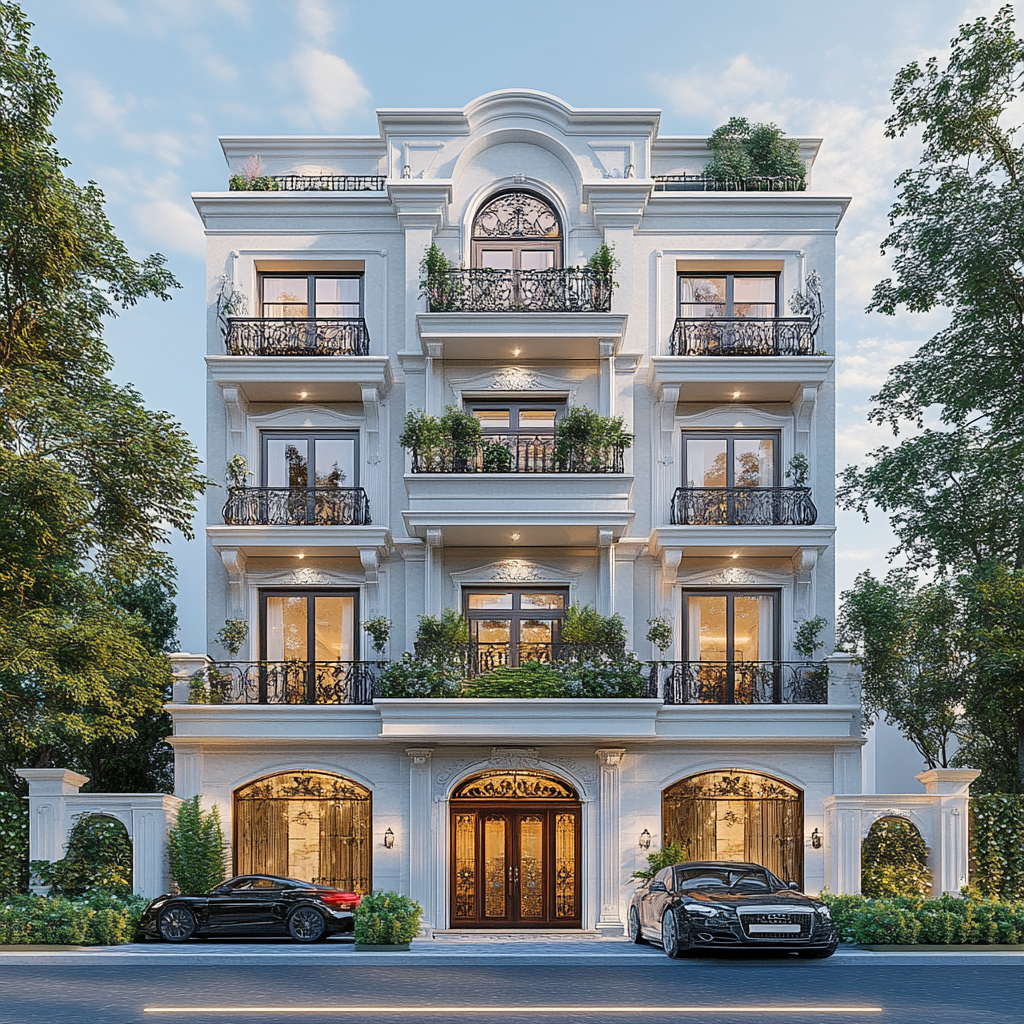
[386,919]
[529,680]
[233,635]
[621,676]
[100,919]
[603,261]
[442,292]
[380,631]
[893,860]
[659,633]
[98,858]
[669,854]
[442,632]
[195,849]
[587,442]
[997,845]
[419,677]
[744,150]
[13,845]
[882,881]
[585,625]
[885,922]
[424,437]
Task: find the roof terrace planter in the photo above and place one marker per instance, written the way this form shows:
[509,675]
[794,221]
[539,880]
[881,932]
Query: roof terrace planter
[475,658]
[741,682]
[297,506]
[706,183]
[481,290]
[308,183]
[743,506]
[768,336]
[516,453]
[295,336]
[287,682]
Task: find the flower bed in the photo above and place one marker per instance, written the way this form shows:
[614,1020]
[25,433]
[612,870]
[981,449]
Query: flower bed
[912,920]
[96,920]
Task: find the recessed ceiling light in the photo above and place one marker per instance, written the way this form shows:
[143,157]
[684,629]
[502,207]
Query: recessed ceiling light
[516,351]
[302,394]
[735,554]
[735,394]
[300,555]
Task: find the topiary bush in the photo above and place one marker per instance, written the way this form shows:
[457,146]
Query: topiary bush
[587,442]
[386,919]
[98,858]
[894,861]
[743,150]
[196,849]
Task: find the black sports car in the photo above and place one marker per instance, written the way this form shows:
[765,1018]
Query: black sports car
[722,904]
[253,905]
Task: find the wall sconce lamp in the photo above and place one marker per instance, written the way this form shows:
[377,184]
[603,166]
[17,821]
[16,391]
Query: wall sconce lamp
[389,839]
[816,838]
[645,840]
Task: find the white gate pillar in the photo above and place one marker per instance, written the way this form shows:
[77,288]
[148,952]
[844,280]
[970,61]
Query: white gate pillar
[48,818]
[610,919]
[950,855]
[420,845]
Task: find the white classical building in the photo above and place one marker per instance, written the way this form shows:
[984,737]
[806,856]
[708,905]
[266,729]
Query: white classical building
[719,518]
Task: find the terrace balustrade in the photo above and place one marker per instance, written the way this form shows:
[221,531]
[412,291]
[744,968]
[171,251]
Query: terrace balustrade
[743,506]
[297,506]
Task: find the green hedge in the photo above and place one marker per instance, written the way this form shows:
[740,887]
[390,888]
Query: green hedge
[97,920]
[947,920]
[997,845]
[386,919]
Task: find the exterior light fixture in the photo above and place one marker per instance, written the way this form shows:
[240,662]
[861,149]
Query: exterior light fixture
[302,394]
[516,351]
[735,554]
[300,556]
[645,840]
[389,839]
[816,838]
[735,394]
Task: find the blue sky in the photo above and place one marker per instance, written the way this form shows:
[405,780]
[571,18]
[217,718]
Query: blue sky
[150,84]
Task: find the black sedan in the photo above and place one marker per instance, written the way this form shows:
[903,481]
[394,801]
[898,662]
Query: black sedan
[253,905]
[724,904]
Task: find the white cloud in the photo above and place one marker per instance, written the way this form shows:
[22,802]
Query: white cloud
[171,226]
[866,367]
[314,18]
[333,89]
[704,91]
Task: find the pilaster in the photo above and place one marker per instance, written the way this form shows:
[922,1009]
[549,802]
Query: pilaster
[610,919]
[420,838]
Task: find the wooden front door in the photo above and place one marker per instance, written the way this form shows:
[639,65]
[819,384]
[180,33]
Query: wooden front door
[515,865]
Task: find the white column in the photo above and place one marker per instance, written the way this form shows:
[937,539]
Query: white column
[420,840]
[842,846]
[48,818]
[609,866]
[434,364]
[605,572]
[149,845]
[606,399]
[432,583]
[949,788]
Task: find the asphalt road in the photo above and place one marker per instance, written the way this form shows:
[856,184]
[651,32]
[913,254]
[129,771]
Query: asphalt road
[652,989]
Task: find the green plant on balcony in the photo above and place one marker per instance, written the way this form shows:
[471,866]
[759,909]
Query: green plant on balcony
[659,633]
[380,632]
[442,291]
[798,469]
[236,472]
[741,150]
[586,625]
[442,445]
[233,635]
[531,680]
[587,442]
[252,178]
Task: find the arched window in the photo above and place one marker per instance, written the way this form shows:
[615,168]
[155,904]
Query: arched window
[313,826]
[517,231]
[737,815]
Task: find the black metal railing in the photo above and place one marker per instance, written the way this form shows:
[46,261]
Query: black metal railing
[475,659]
[297,506]
[295,336]
[310,183]
[288,682]
[562,290]
[706,183]
[740,682]
[743,506]
[517,453]
[742,336]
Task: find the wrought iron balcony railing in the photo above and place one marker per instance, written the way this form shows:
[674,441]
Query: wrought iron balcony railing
[740,682]
[561,290]
[294,336]
[753,336]
[475,659]
[516,453]
[297,506]
[704,183]
[287,682]
[310,183]
[743,506]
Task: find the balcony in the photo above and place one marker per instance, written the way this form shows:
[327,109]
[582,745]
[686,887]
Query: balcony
[287,336]
[743,506]
[703,183]
[741,682]
[473,659]
[479,290]
[517,453]
[769,336]
[287,682]
[297,506]
[308,183]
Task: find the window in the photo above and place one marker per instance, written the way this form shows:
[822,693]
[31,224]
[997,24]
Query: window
[514,625]
[308,626]
[730,627]
[517,417]
[517,231]
[314,296]
[746,459]
[715,296]
[302,459]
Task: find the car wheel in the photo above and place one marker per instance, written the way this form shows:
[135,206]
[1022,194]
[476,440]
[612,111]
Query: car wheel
[176,924]
[307,925]
[673,945]
[636,935]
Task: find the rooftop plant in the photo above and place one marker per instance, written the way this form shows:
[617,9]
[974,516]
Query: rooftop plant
[743,150]
[252,178]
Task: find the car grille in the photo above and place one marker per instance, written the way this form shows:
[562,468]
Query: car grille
[773,927]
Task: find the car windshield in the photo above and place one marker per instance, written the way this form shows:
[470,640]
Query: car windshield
[753,879]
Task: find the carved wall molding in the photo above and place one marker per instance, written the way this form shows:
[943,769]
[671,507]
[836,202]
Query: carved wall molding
[305,576]
[513,757]
[513,379]
[514,570]
[733,576]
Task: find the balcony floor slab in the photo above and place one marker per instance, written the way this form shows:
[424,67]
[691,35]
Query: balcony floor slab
[285,378]
[289,541]
[748,541]
[756,378]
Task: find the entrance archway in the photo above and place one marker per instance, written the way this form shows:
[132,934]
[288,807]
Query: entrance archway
[515,856]
[313,826]
[737,815]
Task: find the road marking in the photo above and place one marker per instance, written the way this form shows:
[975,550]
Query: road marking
[509,1010]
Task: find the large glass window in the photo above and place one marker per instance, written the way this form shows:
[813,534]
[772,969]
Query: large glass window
[310,459]
[319,296]
[728,295]
[515,625]
[308,626]
[517,231]
[730,627]
[730,459]
[517,417]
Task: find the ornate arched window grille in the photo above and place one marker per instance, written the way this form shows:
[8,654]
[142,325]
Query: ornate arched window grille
[517,230]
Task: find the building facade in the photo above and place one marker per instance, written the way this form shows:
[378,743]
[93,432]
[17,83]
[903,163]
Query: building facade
[326,333]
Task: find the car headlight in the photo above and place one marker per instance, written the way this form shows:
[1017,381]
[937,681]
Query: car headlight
[707,911]
[825,913]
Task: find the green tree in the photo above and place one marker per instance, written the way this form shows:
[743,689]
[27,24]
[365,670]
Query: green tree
[744,150]
[93,482]
[196,849]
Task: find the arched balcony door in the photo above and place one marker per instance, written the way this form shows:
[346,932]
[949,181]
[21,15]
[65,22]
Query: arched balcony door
[515,860]
[517,231]
[313,826]
[737,815]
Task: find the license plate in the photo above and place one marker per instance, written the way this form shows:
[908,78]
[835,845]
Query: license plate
[774,929]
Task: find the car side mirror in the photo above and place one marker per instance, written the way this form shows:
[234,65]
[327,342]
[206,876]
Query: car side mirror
[657,887]
[793,885]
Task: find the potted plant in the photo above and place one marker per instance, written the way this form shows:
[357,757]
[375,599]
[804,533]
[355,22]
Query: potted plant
[386,922]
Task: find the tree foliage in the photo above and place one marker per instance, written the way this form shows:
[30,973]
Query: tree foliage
[97,859]
[196,849]
[744,150]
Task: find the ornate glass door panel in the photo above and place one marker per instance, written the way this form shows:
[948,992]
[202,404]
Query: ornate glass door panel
[531,854]
[496,881]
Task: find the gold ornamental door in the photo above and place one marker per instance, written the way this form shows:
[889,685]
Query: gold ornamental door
[515,861]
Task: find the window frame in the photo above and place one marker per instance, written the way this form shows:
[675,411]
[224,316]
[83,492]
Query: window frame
[515,614]
[730,280]
[310,435]
[515,406]
[729,436]
[730,619]
[310,278]
[516,243]
[310,593]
